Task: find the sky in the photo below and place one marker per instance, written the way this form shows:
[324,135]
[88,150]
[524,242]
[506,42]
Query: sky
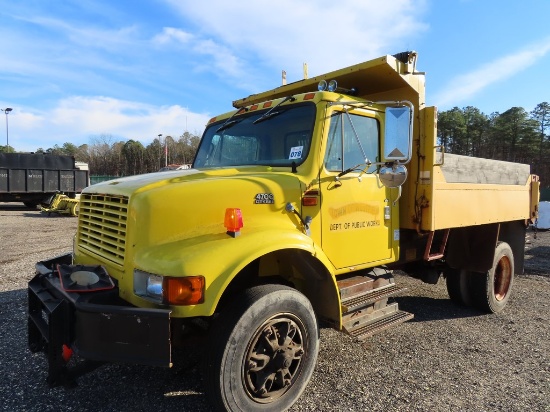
[88,71]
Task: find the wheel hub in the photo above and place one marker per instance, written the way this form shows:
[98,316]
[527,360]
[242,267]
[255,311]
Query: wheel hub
[273,358]
[503,278]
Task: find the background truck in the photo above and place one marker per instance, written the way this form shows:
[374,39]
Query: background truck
[298,208]
[33,178]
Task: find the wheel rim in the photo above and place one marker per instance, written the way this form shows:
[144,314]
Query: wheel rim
[503,278]
[273,358]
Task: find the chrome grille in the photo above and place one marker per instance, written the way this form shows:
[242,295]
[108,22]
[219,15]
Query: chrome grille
[102,226]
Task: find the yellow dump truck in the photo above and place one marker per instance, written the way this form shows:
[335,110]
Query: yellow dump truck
[299,206]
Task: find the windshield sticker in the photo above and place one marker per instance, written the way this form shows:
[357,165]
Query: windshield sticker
[296,152]
[264,198]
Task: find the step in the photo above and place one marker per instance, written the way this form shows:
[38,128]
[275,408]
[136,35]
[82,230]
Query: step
[374,279]
[369,297]
[361,317]
[380,324]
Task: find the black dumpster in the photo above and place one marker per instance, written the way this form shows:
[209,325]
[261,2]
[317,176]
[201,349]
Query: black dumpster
[33,178]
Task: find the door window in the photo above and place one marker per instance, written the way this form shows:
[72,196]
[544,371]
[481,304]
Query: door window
[352,140]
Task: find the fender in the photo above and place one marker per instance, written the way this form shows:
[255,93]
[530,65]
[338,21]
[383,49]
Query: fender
[219,258]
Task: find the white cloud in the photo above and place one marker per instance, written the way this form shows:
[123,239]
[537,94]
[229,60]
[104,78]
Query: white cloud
[465,86]
[221,60]
[170,34]
[325,34]
[86,35]
[77,119]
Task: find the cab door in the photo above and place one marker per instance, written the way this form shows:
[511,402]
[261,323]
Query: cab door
[356,219]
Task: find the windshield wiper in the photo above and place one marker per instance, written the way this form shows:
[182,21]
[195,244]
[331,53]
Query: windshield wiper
[351,169]
[270,113]
[227,125]
[230,122]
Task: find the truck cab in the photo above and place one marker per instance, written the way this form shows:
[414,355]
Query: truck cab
[333,151]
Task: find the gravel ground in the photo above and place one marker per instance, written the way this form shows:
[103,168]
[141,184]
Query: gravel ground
[448,358]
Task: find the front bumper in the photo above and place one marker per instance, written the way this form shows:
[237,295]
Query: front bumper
[97,326]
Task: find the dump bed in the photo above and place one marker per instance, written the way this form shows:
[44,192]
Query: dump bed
[442,190]
[468,191]
[446,190]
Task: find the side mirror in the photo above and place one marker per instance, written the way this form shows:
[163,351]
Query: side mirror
[398,134]
[393,176]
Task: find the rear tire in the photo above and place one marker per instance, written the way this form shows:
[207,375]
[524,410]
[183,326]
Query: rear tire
[459,286]
[492,290]
[262,350]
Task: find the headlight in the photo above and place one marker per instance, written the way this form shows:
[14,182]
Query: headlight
[148,286]
[187,290]
[153,287]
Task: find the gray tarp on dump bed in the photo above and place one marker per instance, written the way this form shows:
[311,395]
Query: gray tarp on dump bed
[465,169]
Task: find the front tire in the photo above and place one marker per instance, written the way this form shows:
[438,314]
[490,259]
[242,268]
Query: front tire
[262,350]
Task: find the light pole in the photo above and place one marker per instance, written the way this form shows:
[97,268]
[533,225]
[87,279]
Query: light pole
[7,110]
[160,152]
[165,151]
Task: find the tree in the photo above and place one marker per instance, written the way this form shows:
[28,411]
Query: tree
[134,154]
[452,130]
[517,134]
[69,149]
[476,131]
[541,114]
[190,143]
[153,155]
[512,136]
[99,154]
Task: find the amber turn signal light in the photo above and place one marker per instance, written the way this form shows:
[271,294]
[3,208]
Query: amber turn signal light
[185,291]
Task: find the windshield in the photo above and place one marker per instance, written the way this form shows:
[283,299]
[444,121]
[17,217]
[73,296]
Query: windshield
[278,140]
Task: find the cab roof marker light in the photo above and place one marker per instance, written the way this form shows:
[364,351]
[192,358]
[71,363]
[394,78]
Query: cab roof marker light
[267,104]
[309,96]
[254,107]
[333,87]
